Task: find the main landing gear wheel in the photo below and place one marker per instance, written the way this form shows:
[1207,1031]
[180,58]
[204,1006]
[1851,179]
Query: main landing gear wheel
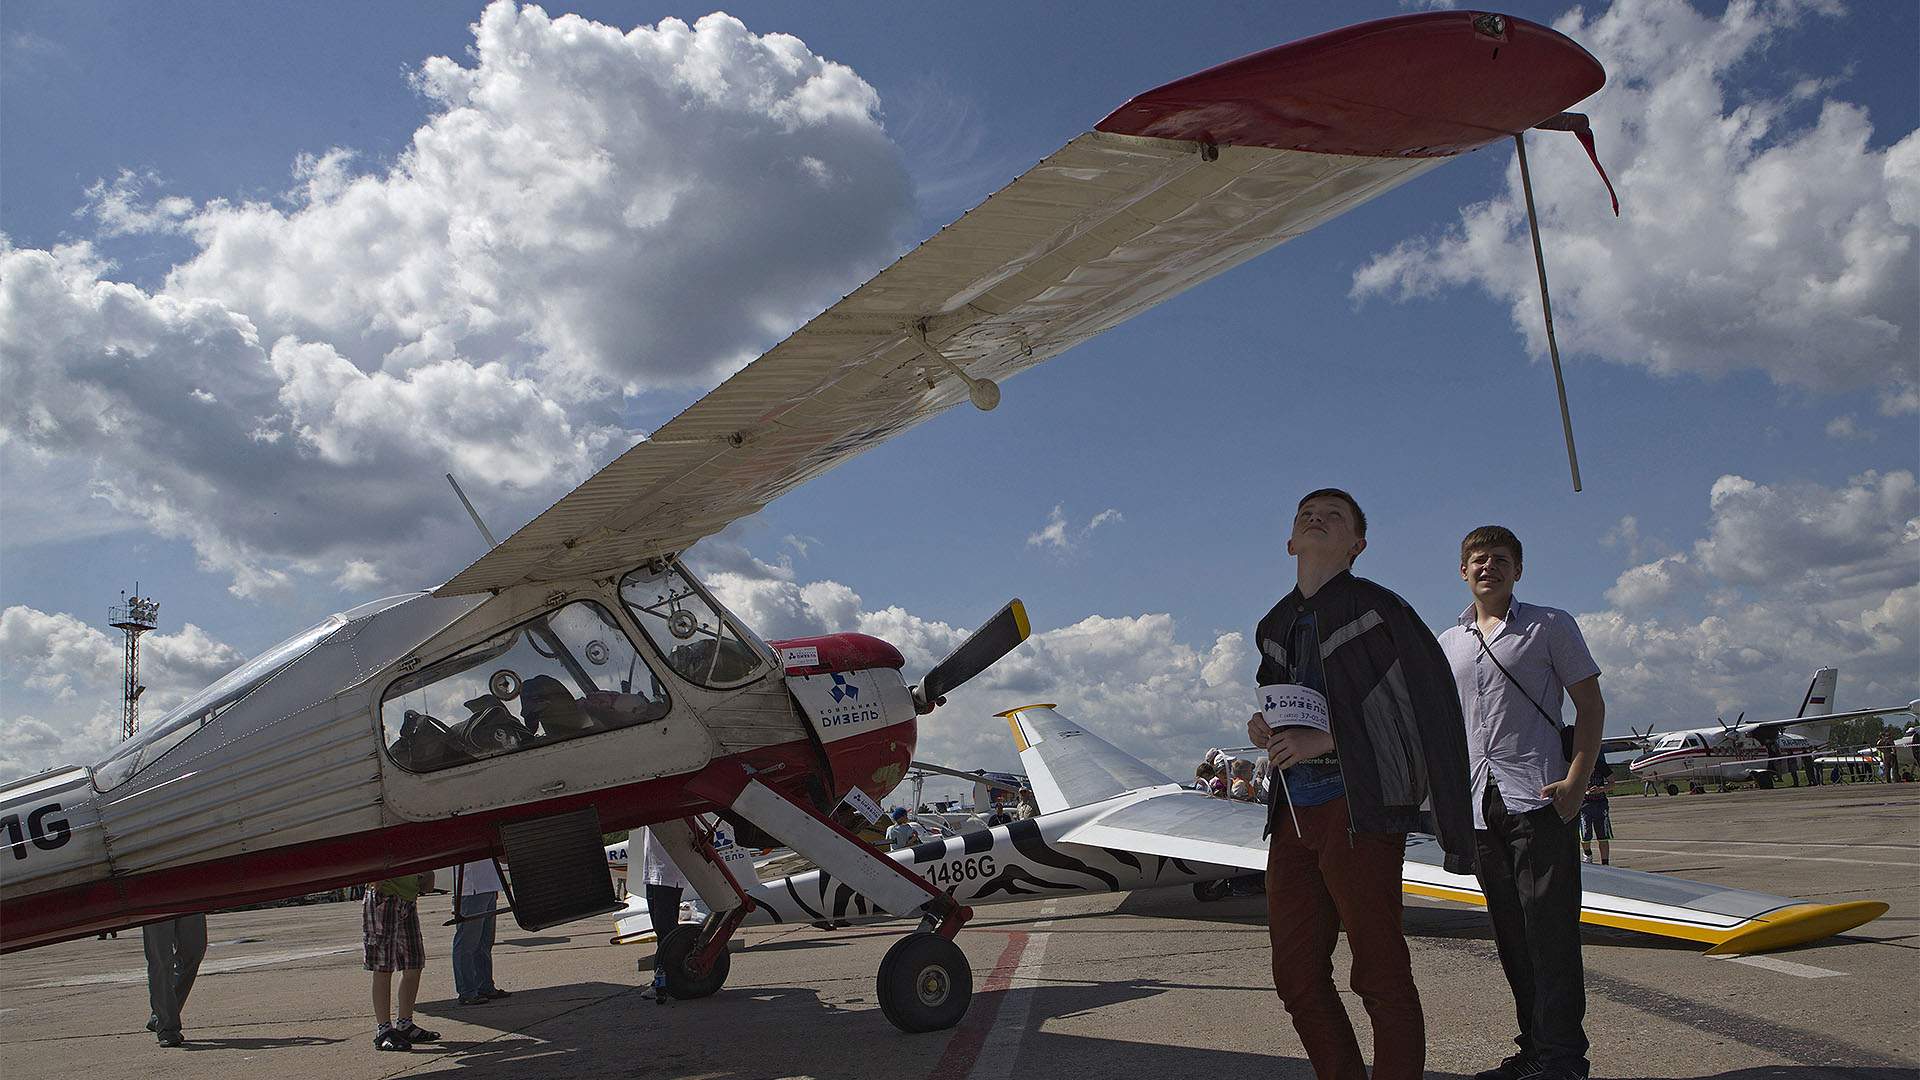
[1208,891]
[925,983]
[673,955]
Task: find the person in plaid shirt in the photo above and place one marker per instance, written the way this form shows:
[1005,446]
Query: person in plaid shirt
[390,921]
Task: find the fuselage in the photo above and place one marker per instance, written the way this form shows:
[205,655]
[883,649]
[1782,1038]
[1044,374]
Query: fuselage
[1719,755]
[400,737]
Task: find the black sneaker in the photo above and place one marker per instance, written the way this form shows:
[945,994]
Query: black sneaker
[171,1038]
[496,992]
[414,1033]
[1517,1067]
[391,1040]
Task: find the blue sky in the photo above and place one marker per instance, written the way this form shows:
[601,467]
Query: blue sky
[1745,407]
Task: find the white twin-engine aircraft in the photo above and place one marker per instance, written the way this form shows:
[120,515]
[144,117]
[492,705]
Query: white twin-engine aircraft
[1744,750]
[577,679]
[1110,822]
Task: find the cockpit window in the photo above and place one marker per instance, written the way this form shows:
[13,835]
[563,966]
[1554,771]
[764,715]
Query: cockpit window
[700,641]
[190,715]
[558,676]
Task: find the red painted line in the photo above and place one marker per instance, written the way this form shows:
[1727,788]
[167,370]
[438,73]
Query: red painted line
[964,1048]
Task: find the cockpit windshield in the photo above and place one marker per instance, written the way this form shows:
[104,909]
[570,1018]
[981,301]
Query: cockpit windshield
[186,718]
[705,645]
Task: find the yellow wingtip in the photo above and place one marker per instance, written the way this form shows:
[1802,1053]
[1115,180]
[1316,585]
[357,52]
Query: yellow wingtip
[1798,925]
[1795,925]
[1020,618]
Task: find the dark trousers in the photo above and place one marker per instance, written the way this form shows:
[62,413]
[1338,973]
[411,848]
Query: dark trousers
[1530,870]
[175,948]
[1318,882]
[473,946]
[663,910]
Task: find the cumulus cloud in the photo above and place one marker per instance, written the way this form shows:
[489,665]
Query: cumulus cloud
[1760,229]
[584,215]
[1060,537]
[1845,427]
[1788,577]
[70,674]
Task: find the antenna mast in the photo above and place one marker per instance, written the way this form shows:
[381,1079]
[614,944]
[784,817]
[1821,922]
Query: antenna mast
[135,615]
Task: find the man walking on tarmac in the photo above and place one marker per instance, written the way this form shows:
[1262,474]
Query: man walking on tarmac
[1365,728]
[1512,662]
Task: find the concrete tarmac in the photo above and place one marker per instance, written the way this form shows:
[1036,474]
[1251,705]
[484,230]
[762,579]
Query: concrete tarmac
[1147,985]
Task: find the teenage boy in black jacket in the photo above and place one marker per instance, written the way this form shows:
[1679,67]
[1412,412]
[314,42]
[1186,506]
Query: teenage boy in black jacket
[1396,742]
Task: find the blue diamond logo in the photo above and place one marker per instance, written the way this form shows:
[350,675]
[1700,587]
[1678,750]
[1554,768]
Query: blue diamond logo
[843,690]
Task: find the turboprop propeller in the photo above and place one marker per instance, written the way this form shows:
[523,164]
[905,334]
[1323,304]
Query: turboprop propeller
[996,638]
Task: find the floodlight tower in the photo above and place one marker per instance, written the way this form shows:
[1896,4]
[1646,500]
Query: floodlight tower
[135,615]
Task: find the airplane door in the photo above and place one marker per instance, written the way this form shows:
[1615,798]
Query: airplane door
[556,704]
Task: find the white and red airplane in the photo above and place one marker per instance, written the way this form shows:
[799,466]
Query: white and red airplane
[1743,750]
[578,679]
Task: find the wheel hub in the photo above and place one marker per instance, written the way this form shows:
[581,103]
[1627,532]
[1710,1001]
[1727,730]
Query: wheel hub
[932,985]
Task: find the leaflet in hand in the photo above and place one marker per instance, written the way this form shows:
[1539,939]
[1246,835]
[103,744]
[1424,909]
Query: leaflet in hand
[1292,705]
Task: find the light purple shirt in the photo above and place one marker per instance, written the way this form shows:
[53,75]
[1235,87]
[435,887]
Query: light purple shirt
[1508,740]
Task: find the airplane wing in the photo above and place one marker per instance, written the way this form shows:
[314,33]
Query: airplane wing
[1620,744]
[1193,826]
[1797,721]
[1174,187]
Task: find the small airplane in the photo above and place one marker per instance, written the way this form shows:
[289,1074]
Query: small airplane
[578,679]
[1112,823]
[1742,750]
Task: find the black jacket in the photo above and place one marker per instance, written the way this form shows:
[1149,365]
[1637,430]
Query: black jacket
[1393,707]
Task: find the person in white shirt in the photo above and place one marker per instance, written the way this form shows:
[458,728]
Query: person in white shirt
[473,936]
[901,834]
[665,884]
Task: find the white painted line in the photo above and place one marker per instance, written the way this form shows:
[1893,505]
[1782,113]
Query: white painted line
[1002,1048]
[1709,853]
[1779,843]
[1784,967]
[211,967]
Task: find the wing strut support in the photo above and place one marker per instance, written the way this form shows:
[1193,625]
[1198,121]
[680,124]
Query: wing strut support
[1546,307]
[984,393]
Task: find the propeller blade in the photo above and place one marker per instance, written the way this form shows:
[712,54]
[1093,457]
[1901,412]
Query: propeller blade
[962,774]
[998,637]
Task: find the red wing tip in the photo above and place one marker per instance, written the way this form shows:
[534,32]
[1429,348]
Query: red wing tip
[1423,85]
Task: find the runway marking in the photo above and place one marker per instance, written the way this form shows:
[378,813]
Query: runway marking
[1777,843]
[988,1043]
[1789,858]
[210,967]
[1784,967]
[964,1048]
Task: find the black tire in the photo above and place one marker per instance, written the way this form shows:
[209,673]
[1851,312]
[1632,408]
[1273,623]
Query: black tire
[673,955]
[1208,891]
[1673,789]
[925,983]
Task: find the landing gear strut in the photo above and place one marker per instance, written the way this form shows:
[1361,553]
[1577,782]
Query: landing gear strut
[925,982]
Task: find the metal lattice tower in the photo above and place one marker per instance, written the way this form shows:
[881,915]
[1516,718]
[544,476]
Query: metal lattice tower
[135,615]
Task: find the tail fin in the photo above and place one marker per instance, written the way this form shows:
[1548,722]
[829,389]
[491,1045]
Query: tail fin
[1819,699]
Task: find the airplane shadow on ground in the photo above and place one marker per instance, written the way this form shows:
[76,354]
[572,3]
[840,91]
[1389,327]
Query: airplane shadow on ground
[759,1031]
[194,1043]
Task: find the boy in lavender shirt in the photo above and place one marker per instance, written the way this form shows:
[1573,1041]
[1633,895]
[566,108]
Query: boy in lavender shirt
[1512,662]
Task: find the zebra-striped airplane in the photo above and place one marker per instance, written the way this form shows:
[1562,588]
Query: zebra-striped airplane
[1110,822]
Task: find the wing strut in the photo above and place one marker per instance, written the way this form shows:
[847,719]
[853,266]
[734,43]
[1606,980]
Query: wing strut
[1546,307]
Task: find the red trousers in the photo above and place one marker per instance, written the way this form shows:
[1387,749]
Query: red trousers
[1317,883]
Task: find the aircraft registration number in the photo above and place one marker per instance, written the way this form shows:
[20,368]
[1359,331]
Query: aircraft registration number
[46,832]
[974,868]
